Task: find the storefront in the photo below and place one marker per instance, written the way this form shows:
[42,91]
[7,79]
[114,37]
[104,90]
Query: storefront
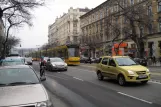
[120,49]
[153,46]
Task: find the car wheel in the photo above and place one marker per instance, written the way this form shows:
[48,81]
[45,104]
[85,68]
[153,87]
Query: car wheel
[66,70]
[100,76]
[121,80]
[144,82]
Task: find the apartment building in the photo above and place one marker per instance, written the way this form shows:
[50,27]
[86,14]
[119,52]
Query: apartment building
[95,31]
[66,29]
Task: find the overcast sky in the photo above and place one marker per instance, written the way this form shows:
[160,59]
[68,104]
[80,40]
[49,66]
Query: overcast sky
[43,16]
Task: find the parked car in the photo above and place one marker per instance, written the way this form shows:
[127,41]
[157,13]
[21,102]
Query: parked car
[28,61]
[21,87]
[83,59]
[141,61]
[93,60]
[123,69]
[56,64]
[9,61]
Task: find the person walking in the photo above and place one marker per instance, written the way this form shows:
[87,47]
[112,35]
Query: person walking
[154,60]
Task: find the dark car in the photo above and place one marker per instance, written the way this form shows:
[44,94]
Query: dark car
[83,59]
[91,60]
[141,61]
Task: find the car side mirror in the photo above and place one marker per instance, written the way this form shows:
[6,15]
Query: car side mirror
[43,78]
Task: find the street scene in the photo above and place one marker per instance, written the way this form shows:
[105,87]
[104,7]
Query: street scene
[80,87]
[57,53]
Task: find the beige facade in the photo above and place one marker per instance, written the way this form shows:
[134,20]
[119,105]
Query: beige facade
[66,29]
[93,25]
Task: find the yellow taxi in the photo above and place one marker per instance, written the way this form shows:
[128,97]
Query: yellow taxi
[123,69]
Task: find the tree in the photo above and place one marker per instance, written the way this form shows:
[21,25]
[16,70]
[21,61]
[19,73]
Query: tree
[135,20]
[17,13]
[12,42]
[92,42]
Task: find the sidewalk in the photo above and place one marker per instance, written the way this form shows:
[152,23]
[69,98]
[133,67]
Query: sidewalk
[155,65]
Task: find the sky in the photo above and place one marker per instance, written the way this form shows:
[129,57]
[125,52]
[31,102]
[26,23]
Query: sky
[37,35]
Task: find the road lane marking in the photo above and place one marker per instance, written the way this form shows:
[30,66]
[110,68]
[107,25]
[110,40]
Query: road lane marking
[57,77]
[135,98]
[78,78]
[83,70]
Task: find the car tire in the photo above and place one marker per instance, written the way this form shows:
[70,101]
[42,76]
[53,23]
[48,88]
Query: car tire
[121,80]
[100,76]
[66,70]
[144,82]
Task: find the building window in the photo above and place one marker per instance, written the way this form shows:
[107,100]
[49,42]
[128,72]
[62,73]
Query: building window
[100,15]
[107,11]
[132,2]
[141,31]
[111,9]
[149,10]
[125,3]
[150,28]
[159,6]
[125,19]
[159,26]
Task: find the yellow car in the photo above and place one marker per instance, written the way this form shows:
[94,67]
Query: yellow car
[123,69]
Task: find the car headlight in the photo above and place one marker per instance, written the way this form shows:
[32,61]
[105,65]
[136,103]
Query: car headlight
[131,72]
[147,71]
[65,64]
[44,104]
[53,65]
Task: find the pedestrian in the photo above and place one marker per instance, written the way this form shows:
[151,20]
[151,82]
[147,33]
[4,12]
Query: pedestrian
[154,60]
[89,60]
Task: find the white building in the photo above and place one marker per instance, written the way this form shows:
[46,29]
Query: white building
[66,29]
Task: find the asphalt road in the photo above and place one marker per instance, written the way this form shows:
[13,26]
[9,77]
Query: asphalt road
[79,87]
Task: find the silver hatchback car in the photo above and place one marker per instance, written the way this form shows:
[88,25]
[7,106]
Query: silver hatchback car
[20,87]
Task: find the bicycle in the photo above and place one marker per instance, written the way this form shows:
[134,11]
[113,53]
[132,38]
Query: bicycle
[42,71]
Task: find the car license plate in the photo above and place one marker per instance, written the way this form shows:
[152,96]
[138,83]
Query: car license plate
[142,76]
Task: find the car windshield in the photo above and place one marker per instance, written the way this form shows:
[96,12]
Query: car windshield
[73,52]
[17,76]
[56,60]
[125,61]
[12,62]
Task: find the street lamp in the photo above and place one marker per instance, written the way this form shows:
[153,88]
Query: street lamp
[37,50]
